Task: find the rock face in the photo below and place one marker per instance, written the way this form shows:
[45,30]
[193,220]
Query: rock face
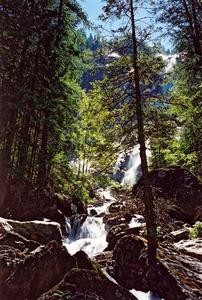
[177,276]
[40,232]
[179,190]
[38,272]
[117,232]
[94,285]
[9,259]
[83,261]
[191,247]
[179,234]
[98,284]
[22,201]
[120,213]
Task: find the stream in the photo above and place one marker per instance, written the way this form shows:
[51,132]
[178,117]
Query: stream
[90,236]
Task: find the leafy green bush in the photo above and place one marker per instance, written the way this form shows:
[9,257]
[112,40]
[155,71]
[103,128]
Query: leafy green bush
[104,181]
[196,230]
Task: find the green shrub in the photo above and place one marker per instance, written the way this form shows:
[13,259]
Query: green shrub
[196,230]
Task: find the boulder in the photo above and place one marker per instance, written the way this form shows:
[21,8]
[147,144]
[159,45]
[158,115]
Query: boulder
[83,261]
[38,272]
[40,231]
[9,259]
[23,201]
[119,231]
[180,234]
[113,220]
[178,198]
[81,284]
[98,284]
[104,259]
[70,292]
[174,181]
[93,212]
[17,241]
[179,191]
[86,296]
[191,247]
[176,276]
[116,207]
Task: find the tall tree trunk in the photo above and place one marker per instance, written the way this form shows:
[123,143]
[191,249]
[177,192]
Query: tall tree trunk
[42,170]
[34,146]
[60,12]
[148,195]
[193,26]
[5,153]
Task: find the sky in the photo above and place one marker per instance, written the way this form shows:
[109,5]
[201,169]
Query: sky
[93,8]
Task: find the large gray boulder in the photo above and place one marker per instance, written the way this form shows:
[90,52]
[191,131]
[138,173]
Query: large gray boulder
[38,272]
[177,276]
[39,231]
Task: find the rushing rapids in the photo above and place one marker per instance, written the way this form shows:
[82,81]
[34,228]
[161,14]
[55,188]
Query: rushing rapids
[89,234]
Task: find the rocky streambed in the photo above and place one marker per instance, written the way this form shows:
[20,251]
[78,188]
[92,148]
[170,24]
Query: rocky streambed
[103,255]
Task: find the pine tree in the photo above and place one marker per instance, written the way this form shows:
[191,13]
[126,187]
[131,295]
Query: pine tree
[40,48]
[126,9]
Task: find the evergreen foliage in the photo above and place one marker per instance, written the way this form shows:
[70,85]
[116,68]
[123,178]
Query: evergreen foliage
[40,67]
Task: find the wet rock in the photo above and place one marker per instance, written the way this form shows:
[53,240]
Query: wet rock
[38,272]
[115,230]
[112,221]
[76,221]
[104,259]
[39,231]
[119,231]
[9,259]
[93,212]
[180,234]
[83,261]
[176,276]
[191,247]
[18,242]
[179,191]
[115,207]
[20,200]
[98,284]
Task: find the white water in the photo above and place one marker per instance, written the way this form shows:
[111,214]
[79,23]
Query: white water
[170,61]
[136,221]
[144,296]
[91,237]
[133,172]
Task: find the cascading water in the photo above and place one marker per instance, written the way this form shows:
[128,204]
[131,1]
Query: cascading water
[133,169]
[133,172]
[90,235]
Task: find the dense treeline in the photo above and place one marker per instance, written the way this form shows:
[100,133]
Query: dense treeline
[183,146]
[48,120]
[40,64]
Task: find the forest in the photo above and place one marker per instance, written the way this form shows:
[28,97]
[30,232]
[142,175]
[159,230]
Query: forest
[101,150]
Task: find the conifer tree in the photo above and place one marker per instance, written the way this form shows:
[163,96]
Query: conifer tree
[121,9]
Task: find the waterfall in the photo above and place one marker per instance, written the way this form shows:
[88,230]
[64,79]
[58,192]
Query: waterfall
[133,172]
[90,234]
[90,237]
